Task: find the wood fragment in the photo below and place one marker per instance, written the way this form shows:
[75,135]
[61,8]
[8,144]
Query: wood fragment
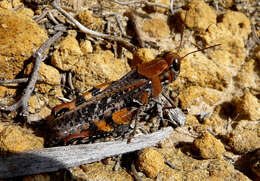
[52,18]
[56,158]
[14,81]
[38,18]
[20,81]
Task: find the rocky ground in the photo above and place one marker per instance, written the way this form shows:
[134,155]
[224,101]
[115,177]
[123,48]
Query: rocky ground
[218,88]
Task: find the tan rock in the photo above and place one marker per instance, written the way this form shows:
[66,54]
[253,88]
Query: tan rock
[2,126]
[141,56]
[156,28]
[16,139]
[71,34]
[98,68]
[48,74]
[67,54]
[232,49]
[26,11]
[208,146]
[33,103]
[199,15]
[197,69]
[246,77]
[5,4]
[4,91]
[42,113]
[37,107]
[230,32]
[216,33]
[215,122]
[20,36]
[232,53]
[191,120]
[150,162]
[237,23]
[86,18]
[193,169]
[195,96]
[244,137]
[247,107]
[100,171]
[54,101]
[178,136]
[86,47]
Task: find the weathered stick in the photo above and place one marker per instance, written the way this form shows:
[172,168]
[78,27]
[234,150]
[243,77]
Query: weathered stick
[53,159]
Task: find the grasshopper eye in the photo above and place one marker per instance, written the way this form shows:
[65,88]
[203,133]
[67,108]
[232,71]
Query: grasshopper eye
[175,68]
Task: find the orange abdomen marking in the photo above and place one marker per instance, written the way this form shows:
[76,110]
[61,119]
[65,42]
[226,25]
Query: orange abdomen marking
[103,126]
[122,117]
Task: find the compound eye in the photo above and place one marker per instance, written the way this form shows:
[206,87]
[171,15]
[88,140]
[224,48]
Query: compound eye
[175,66]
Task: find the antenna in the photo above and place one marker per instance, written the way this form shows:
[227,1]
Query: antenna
[199,50]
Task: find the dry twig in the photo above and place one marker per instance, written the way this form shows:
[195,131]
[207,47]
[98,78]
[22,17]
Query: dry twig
[51,17]
[14,81]
[37,19]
